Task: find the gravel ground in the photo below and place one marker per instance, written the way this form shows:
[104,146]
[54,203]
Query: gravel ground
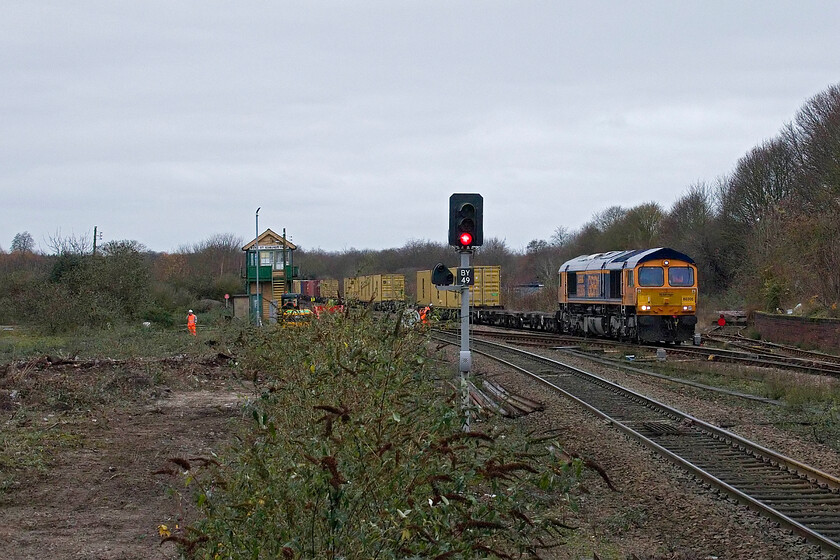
[658,510]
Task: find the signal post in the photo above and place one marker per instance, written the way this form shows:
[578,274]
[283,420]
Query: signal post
[466,232]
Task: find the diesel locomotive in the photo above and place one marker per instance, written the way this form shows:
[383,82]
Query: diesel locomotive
[645,295]
[649,295]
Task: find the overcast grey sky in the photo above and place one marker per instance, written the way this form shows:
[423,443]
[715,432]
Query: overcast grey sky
[351,123]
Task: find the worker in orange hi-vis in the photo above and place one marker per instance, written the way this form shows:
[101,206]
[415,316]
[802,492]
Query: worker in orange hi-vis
[191,322]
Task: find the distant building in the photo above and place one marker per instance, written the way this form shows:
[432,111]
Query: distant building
[528,289]
[276,271]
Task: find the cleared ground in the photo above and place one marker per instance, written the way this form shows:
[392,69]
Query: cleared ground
[92,492]
[82,442]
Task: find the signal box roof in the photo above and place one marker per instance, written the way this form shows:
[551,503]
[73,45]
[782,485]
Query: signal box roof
[270,240]
[617,260]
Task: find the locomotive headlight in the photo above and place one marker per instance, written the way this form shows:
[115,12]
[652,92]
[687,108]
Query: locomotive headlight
[646,308]
[686,308]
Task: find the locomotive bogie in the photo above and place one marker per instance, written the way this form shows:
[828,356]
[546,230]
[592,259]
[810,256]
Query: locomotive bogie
[666,328]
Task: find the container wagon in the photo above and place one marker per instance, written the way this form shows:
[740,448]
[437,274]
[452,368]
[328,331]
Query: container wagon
[383,291]
[485,292]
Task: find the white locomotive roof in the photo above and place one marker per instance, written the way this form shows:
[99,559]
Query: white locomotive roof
[617,260]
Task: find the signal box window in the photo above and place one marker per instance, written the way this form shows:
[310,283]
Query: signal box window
[652,276]
[681,276]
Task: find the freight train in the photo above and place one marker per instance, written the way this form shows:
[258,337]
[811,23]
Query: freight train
[645,295]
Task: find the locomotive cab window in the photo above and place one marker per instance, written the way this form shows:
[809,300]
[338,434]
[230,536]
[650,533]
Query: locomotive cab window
[571,283]
[652,276]
[680,276]
[630,278]
[615,284]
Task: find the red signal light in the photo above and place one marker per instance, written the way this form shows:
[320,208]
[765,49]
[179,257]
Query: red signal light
[465,239]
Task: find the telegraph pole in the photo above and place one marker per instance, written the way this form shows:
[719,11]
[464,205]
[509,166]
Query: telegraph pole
[257,302]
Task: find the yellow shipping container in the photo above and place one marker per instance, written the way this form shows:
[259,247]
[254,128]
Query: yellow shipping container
[393,287]
[296,286]
[424,287]
[377,288]
[486,290]
[329,288]
[366,288]
[351,288]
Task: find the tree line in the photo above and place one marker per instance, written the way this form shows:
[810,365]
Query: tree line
[764,236]
[122,282]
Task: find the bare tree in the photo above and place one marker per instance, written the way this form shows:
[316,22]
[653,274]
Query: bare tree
[69,245]
[586,240]
[561,236]
[762,180]
[640,225]
[23,243]
[220,253]
[815,139]
[606,219]
[536,245]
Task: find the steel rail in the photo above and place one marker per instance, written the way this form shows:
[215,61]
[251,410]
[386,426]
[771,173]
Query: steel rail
[719,354]
[773,348]
[612,363]
[796,495]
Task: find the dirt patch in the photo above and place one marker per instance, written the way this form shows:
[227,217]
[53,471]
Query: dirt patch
[101,500]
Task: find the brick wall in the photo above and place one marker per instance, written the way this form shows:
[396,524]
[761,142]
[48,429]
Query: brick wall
[810,333]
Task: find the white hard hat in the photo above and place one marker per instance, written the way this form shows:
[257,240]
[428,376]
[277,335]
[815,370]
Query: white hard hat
[190,310]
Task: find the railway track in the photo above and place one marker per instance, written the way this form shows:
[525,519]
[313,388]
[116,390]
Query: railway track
[793,494]
[772,349]
[745,357]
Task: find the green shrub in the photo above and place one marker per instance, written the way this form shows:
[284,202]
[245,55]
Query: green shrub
[158,316]
[355,451]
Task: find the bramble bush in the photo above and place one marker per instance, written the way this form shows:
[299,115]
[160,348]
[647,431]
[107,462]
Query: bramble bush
[356,450]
